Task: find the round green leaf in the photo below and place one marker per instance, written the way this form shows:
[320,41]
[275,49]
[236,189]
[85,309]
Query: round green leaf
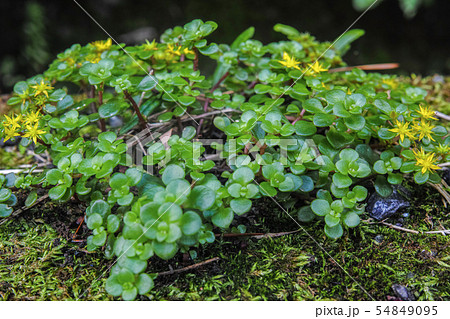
[341,181]
[305,128]
[94,221]
[243,175]
[355,122]
[313,106]
[223,217]
[5,193]
[99,207]
[267,190]
[334,232]
[144,284]
[165,250]
[241,206]
[109,109]
[190,223]
[320,207]
[202,197]
[186,100]
[31,199]
[380,167]
[53,176]
[118,180]
[305,214]
[351,219]
[172,172]
[323,120]
[134,176]
[382,187]
[113,223]
[129,294]
[331,221]
[148,83]
[57,192]
[421,178]
[188,133]
[113,287]
[5,210]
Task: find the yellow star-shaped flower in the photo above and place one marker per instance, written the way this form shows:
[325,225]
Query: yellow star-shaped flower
[443,149]
[32,118]
[93,58]
[426,161]
[101,46]
[426,113]
[173,50]
[42,87]
[187,51]
[316,67]
[33,132]
[12,122]
[10,132]
[402,130]
[289,62]
[424,129]
[391,82]
[147,46]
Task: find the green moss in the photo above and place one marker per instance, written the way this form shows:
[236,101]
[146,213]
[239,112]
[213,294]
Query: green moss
[37,265]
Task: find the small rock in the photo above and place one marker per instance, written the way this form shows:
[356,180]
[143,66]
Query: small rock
[403,293]
[115,122]
[446,175]
[410,275]
[406,215]
[383,207]
[379,238]
[438,78]
[9,142]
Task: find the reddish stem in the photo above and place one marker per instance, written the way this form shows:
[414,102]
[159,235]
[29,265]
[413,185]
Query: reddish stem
[142,121]
[205,106]
[100,103]
[101,122]
[196,59]
[299,117]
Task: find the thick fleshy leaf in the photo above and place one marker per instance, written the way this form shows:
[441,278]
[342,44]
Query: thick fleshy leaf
[320,207]
[334,232]
[223,217]
[241,206]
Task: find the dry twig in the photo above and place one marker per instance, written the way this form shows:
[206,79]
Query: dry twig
[184,269]
[24,208]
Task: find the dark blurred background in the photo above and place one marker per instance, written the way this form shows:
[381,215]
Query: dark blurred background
[415,33]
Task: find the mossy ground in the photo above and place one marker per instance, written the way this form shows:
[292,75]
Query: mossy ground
[39,262]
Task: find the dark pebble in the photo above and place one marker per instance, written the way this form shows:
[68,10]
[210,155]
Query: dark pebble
[403,293]
[438,78]
[446,175]
[9,142]
[383,207]
[378,238]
